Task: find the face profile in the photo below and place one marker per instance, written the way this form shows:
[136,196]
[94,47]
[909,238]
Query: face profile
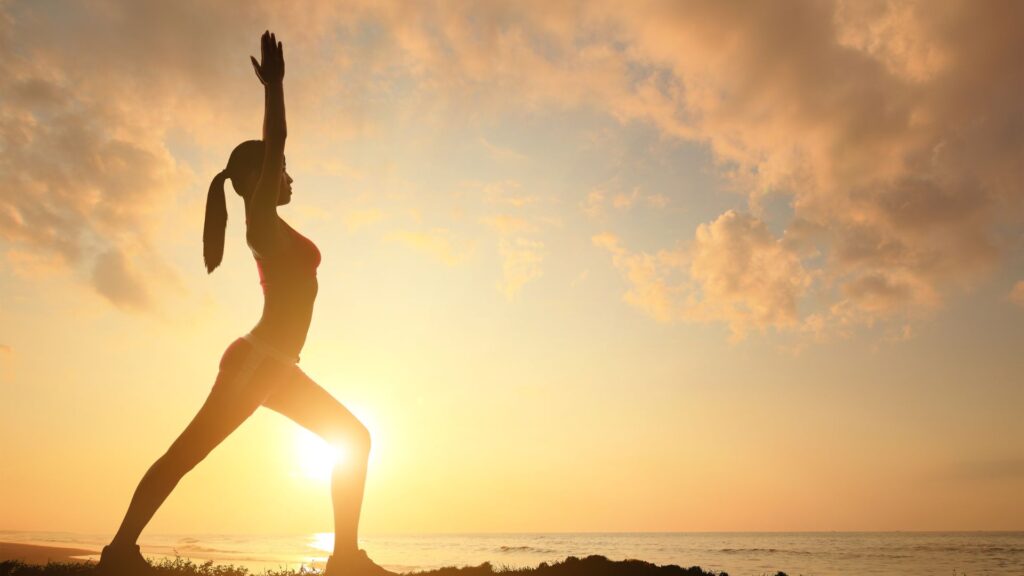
[284,194]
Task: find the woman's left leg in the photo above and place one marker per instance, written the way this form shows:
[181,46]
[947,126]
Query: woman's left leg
[244,379]
[309,405]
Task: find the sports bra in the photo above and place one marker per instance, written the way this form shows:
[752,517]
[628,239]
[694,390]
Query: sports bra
[300,259]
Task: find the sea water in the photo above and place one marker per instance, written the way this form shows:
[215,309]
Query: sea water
[738,553]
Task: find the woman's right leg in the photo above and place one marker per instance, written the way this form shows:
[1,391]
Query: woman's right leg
[304,401]
[239,389]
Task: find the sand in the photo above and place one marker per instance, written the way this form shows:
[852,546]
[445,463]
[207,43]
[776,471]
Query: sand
[33,554]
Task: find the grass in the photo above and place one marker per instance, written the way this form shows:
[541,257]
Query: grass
[571,566]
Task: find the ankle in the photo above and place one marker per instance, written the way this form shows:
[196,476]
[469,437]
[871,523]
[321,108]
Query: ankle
[119,544]
[346,553]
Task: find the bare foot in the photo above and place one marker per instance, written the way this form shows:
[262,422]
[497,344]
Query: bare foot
[355,564]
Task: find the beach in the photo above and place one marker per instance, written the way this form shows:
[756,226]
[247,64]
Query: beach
[35,554]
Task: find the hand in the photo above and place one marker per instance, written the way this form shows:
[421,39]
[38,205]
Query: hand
[270,69]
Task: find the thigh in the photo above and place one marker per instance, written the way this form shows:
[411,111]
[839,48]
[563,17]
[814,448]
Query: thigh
[244,379]
[304,401]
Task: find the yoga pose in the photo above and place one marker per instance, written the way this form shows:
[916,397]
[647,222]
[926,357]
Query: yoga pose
[261,368]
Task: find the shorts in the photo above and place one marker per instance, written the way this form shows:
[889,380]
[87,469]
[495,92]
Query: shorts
[252,368]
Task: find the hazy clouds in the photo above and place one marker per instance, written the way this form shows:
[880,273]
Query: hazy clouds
[892,131]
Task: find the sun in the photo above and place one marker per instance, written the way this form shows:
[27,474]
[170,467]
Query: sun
[316,458]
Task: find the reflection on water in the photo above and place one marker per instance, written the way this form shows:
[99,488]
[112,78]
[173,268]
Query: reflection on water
[323,541]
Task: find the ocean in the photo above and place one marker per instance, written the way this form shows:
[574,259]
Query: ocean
[738,553]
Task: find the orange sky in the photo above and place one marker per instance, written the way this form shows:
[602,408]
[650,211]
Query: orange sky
[586,266]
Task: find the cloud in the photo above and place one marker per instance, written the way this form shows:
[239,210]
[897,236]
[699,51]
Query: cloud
[623,201]
[655,287]
[82,178]
[884,292]
[594,204]
[69,185]
[517,228]
[733,271]
[504,192]
[501,153]
[34,264]
[356,219]
[522,257]
[893,129]
[657,200]
[439,243]
[747,277]
[521,263]
[508,224]
[115,279]
[598,199]
[88,100]
[897,128]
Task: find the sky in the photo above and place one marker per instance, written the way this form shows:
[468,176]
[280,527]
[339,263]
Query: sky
[594,266]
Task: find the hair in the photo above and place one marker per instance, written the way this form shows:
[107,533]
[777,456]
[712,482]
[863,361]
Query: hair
[245,159]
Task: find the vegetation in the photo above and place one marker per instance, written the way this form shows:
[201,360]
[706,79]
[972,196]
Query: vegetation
[571,566]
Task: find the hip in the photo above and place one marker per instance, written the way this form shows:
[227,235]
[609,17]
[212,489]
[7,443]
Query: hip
[250,368]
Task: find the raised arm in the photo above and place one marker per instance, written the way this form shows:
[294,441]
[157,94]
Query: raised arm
[261,231]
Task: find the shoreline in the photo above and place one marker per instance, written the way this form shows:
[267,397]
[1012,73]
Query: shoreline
[41,555]
[38,560]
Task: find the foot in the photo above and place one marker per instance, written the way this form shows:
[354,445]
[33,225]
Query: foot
[355,564]
[123,561]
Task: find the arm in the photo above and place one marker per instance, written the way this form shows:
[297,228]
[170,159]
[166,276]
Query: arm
[261,232]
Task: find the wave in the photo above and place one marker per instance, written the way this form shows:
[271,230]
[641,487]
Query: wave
[967,547]
[763,551]
[531,549]
[198,548]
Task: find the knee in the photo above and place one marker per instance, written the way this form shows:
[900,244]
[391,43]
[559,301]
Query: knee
[361,438]
[353,437]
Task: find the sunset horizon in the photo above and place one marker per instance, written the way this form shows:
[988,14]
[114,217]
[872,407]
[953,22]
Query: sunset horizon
[578,268]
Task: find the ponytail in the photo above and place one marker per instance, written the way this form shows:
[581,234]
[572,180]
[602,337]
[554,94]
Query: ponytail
[216,222]
[246,158]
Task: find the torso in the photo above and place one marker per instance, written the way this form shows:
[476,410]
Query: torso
[288,277]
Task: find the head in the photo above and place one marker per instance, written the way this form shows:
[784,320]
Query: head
[245,167]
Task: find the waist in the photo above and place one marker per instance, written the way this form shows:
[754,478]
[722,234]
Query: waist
[270,350]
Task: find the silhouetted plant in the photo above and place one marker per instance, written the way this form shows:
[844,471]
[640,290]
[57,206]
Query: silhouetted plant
[571,566]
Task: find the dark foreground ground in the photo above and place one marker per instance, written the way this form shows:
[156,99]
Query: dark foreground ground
[572,566]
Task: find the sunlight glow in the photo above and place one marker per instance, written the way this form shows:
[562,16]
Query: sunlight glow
[323,541]
[316,458]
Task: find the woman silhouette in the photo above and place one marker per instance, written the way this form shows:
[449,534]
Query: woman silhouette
[260,368]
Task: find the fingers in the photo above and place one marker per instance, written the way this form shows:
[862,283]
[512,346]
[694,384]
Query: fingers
[271,54]
[256,67]
[270,46]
